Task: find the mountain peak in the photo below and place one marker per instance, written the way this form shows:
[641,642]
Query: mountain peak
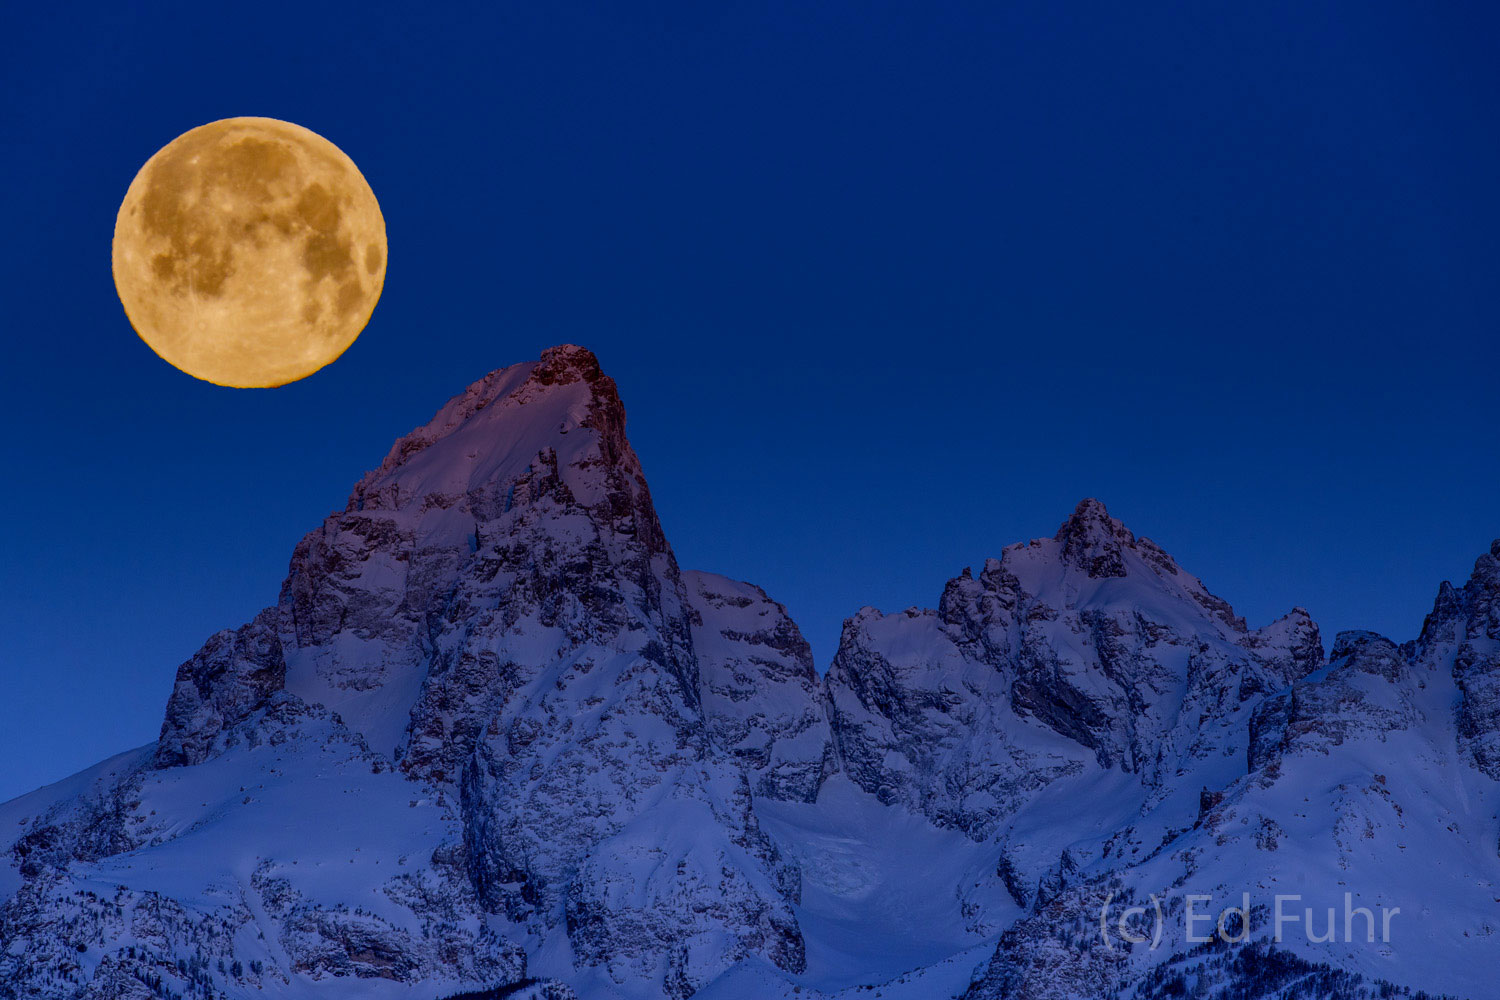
[493,432]
[1353,641]
[1092,540]
[1478,599]
[1101,548]
[568,362]
[1486,573]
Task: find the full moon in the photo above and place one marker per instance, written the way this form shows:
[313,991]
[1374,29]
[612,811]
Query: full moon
[249,252]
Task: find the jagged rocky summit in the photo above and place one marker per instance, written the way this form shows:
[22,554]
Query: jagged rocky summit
[490,739]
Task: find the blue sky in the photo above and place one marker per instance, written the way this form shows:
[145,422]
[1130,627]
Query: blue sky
[885,288]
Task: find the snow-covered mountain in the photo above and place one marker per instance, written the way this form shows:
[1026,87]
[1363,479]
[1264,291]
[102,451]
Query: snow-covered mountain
[491,739]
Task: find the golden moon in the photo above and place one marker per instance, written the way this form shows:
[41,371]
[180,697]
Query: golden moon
[249,252]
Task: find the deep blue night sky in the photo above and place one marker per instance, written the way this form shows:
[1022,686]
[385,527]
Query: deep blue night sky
[884,289]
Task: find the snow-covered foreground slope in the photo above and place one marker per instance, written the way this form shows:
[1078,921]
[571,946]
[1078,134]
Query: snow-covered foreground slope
[490,739]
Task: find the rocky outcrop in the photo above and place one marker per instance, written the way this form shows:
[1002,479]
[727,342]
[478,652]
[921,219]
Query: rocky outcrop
[1089,649]
[1464,630]
[1284,651]
[1361,695]
[761,694]
[234,674]
[920,721]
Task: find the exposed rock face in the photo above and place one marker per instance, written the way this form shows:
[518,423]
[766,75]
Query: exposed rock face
[1093,640]
[760,692]
[1465,625]
[234,674]
[491,741]
[1361,695]
[1094,542]
[921,721]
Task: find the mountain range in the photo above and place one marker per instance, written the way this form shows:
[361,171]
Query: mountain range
[491,740]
